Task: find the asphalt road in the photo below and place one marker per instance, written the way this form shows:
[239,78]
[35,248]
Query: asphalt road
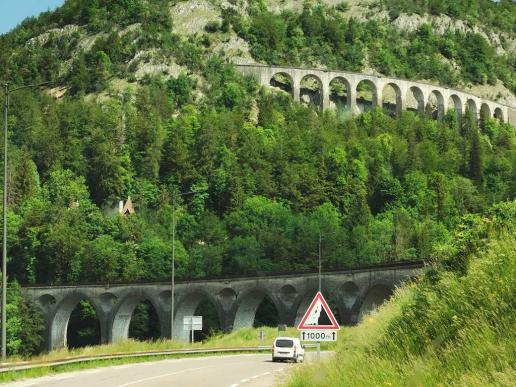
[249,370]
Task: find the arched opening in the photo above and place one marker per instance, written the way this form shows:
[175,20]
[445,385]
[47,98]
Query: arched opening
[256,308]
[375,297]
[266,314]
[339,95]
[366,95]
[485,114]
[144,325]
[471,106]
[415,100]
[136,317]
[198,303]
[210,320]
[455,103]
[392,99]
[282,81]
[311,91]
[83,328]
[498,114]
[435,105]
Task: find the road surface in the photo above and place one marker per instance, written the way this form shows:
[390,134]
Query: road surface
[249,370]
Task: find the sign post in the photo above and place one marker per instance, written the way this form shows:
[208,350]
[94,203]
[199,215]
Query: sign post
[192,324]
[318,323]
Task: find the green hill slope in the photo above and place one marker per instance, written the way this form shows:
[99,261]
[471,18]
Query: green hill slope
[145,103]
[454,327]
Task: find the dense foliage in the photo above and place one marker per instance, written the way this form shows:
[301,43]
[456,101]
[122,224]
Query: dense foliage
[325,36]
[85,44]
[453,327]
[499,14]
[376,188]
[24,324]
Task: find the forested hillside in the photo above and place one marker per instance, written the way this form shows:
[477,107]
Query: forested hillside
[139,110]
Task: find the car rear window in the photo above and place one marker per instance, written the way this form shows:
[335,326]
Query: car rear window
[284,343]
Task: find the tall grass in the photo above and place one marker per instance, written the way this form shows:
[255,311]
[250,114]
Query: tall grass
[454,327]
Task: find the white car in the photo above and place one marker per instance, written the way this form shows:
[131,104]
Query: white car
[288,348]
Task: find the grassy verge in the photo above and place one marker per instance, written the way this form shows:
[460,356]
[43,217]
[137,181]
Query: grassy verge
[454,327]
[248,337]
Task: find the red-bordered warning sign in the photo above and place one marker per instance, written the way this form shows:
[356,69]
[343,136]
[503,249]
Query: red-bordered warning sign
[319,316]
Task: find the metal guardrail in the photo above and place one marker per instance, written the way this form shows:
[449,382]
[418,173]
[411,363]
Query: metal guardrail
[21,366]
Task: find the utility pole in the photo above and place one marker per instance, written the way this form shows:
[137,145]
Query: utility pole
[173,280]
[320,265]
[4,240]
[320,289]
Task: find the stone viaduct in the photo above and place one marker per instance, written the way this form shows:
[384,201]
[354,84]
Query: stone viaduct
[353,292]
[402,93]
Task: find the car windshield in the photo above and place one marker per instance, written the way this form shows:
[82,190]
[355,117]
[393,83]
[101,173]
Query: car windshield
[284,343]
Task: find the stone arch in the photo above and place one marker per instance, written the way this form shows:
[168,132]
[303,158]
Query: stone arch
[415,100]
[471,106]
[392,99]
[311,91]
[188,306]
[227,298]
[164,297]
[247,305]
[350,294]
[59,322]
[340,94]
[282,81]
[498,114]
[107,301]
[366,95]
[435,105]
[485,112]
[455,103]
[46,301]
[288,294]
[124,313]
[375,296]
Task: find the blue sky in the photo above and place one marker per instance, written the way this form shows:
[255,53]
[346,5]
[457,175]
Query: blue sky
[12,12]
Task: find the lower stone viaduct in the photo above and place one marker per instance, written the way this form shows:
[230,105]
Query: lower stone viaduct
[394,93]
[353,293]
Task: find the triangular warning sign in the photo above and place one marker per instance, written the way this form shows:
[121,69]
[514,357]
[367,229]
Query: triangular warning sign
[319,316]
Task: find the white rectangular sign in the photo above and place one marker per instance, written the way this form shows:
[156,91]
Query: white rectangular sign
[192,323]
[318,335]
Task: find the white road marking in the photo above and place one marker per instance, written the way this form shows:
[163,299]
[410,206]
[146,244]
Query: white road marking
[243,381]
[163,376]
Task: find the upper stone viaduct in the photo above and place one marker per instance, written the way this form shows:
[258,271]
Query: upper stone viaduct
[353,292]
[404,91]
